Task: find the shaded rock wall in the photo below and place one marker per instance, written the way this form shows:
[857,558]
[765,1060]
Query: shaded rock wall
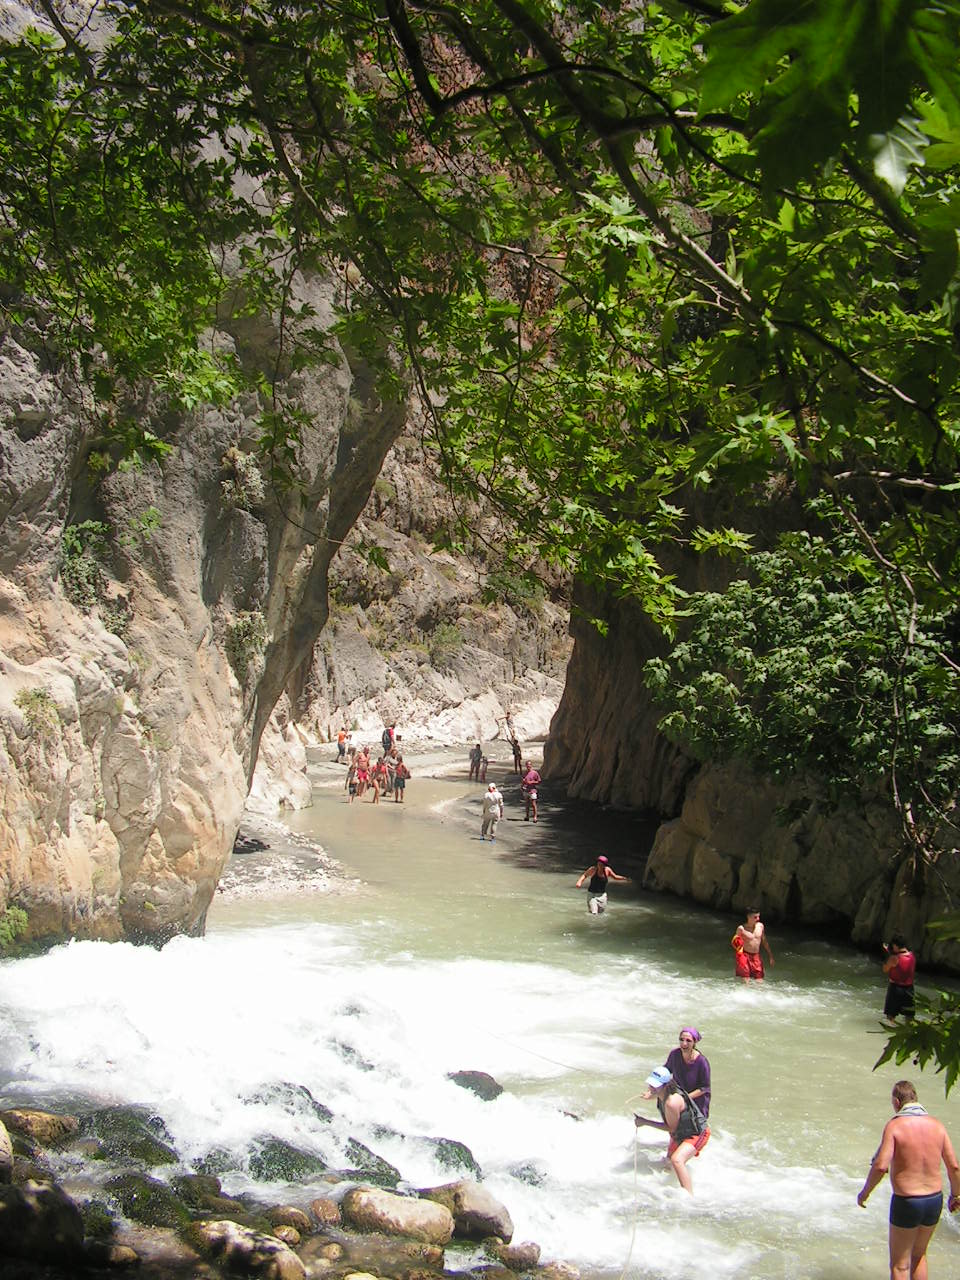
[723,842]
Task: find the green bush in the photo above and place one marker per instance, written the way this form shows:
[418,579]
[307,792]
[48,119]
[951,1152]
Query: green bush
[444,644]
[242,487]
[13,923]
[40,711]
[245,642]
[81,573]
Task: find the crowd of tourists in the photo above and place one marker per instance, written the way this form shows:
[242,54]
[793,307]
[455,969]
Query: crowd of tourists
[387,776]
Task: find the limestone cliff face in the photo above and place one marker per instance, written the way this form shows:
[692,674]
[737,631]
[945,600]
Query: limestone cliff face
[151,659]
[723,842]
[443,644]
[139,666]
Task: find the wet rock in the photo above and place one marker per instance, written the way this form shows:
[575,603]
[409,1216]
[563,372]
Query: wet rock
[455,1156]
[326,1212]
[245,843]
[533,1174]
[288,1215]
[202,1192]
[31,1171]
[42,1126]
[249,1252]
[289,1235]
[558,1271]
[391,1256]
[295,1099]
[99,1221]
[478,1082]
[101,1253]
[148,1201]
[40,1223]
[320,1250]
[476,1213]
[519,1257]
[131,1133]
[366,1164]
[6,1156]
[277,1161]
[369,1209]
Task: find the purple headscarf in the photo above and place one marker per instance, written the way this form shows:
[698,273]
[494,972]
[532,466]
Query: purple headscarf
[692,1032]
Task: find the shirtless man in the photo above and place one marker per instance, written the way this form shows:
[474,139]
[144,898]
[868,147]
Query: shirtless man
[912,1146]
[748,962]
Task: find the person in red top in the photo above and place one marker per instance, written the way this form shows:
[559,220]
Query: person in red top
[899,967]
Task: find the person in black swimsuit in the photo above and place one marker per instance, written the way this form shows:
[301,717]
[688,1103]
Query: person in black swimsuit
[599,874]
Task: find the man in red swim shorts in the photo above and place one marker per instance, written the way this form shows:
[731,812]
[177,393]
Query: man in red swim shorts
[747,961]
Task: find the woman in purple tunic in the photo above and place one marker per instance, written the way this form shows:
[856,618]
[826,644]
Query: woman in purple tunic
[690,1068]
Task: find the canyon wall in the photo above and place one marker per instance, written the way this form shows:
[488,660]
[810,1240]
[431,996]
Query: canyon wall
[729,839]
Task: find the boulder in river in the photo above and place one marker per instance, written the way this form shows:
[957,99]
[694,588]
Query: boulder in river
[148,1200]
[274,1160]
[371,1209]
[478,1082]
[248,1252]
[39,1222]
[476,1213]
[132,1133]
[42,1126]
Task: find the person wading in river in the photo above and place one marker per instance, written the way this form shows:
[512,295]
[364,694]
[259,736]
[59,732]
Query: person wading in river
[599,874]
[899,966]
[747,961]
[690,1069]
[681,1118]
[912,1147]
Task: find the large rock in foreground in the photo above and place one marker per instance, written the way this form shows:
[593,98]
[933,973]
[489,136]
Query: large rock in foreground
[476,1213]
[41,1223]
[368,1209]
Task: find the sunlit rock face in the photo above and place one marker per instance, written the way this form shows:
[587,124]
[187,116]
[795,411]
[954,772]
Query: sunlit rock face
[137,660]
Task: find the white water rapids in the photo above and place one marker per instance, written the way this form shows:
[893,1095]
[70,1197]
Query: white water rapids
[421,951]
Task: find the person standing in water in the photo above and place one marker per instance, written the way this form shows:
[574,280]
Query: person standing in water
[899,966]
[690,1069]
[492,811]
[681,1118]
[529,785]
[599,874]
[912,1148]
[748,963]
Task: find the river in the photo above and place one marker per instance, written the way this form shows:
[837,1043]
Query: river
[407,949]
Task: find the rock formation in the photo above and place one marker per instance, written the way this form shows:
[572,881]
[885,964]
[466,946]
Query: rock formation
[725,841]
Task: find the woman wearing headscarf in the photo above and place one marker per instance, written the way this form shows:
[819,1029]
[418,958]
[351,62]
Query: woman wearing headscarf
[690,1069]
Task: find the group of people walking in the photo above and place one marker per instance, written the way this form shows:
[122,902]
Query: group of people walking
[387,776]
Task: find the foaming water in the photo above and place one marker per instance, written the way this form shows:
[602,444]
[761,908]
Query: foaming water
[420,951]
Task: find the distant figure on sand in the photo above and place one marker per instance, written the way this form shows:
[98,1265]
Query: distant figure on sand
[400,776]
[517,755]
[747,962]
[476,755]
[342,736]
[681,1118]
[690,1069]
[912,1148]
[492,811]
[899,966]
[529,785]
[600,873]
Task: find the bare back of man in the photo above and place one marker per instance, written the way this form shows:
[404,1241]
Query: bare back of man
[912,1149]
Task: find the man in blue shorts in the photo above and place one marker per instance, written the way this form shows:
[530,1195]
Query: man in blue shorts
[912,1148]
